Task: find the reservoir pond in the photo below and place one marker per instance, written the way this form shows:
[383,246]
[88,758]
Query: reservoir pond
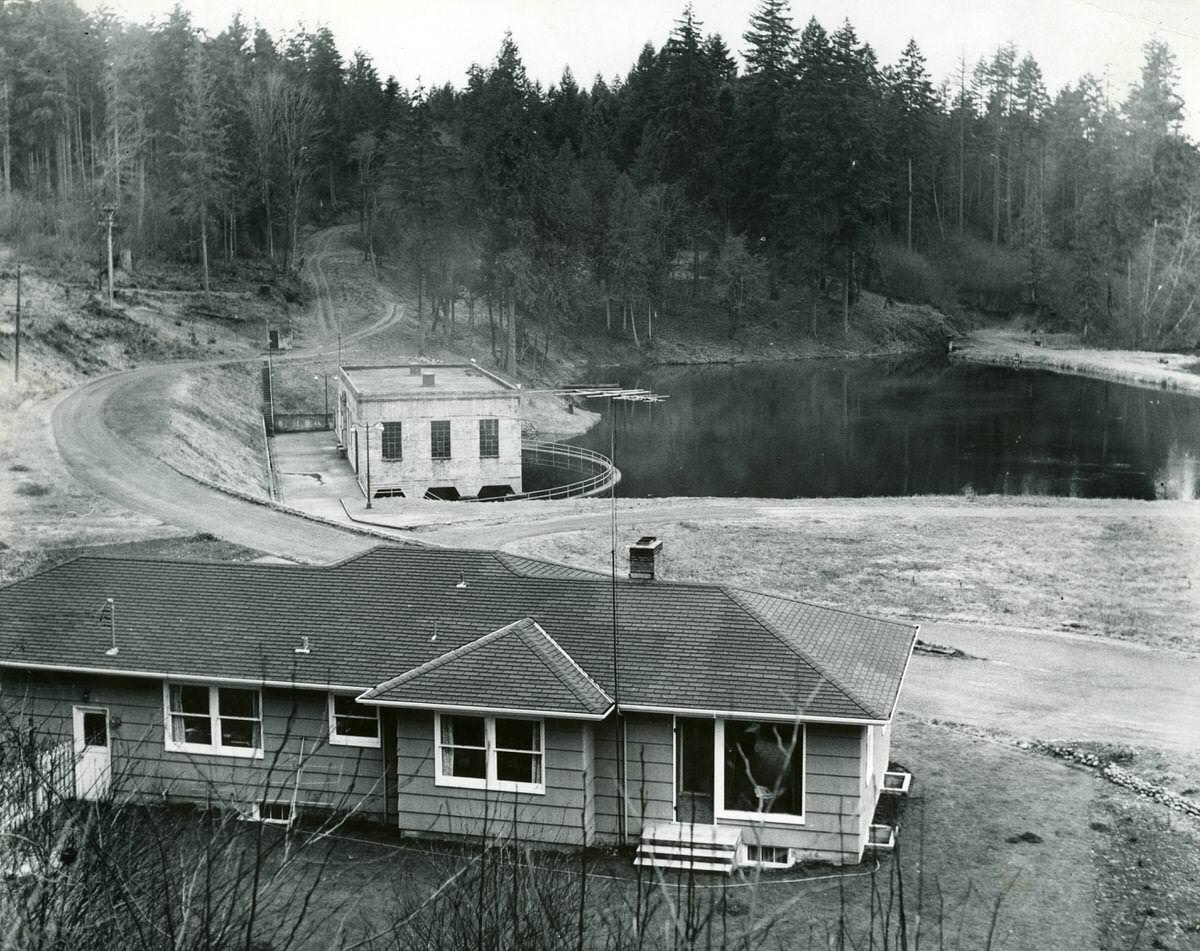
[891,427]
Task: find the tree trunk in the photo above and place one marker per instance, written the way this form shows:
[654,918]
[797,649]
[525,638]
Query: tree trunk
[910,203]
[6,133]
[510,362]
[846,293]
[492,327]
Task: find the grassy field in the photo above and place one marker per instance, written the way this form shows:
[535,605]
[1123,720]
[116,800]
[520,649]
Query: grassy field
[1126,570]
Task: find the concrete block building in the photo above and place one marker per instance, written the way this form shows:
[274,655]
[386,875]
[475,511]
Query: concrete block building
[449,431]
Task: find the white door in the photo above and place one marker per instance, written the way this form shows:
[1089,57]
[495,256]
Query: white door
[93,753]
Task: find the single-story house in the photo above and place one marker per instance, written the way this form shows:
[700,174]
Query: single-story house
[466,693]
[446,430]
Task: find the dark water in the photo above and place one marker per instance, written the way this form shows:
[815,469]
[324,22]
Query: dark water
[897,427]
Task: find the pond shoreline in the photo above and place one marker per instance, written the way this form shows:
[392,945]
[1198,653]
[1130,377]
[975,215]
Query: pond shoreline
[1062,353]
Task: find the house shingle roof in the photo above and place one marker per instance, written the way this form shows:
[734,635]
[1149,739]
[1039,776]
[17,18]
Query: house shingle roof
[371,617]
[519,660]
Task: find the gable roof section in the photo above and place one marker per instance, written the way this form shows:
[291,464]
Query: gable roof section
[679,646]
[518,667]
[861,654]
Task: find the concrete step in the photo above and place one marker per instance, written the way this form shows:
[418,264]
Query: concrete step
[667,850]
[724,868]
[684,845]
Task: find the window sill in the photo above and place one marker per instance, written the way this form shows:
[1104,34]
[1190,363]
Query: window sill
[760,818]
[366,742]
[238,752]
[461,782]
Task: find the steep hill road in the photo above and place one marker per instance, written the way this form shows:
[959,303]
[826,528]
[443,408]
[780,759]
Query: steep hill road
[100,430]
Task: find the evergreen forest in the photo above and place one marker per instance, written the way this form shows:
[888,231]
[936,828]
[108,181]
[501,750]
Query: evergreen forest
[807,171]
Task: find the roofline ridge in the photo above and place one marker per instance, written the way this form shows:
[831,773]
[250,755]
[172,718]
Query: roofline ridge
[209,562]
[501,555]
[738,589]
[445,658]
[575,664]
[44,570]
[851,695]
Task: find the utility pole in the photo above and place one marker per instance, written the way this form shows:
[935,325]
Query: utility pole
[109,211]
[17,338]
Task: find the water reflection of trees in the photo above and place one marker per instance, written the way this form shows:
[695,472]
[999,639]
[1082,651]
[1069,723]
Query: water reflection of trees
[896,427]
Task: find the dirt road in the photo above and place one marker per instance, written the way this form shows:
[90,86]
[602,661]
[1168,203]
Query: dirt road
[102,430]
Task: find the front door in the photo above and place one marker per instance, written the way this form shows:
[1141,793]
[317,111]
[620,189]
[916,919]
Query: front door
[693,770]
[93,753]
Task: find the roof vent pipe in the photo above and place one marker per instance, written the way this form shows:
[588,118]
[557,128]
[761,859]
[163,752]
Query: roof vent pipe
[643,558]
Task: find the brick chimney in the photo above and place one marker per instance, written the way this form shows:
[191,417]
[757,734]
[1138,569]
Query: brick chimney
[643,558]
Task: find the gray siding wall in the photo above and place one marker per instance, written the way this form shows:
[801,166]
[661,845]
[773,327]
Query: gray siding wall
[834,829]
[879,749]
[649,771]
[299,764]
[418,470]
[557,817]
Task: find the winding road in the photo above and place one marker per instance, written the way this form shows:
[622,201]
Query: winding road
[101,441]
[1047,685]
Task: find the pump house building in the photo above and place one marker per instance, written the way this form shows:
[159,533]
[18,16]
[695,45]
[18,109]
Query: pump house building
[444,431]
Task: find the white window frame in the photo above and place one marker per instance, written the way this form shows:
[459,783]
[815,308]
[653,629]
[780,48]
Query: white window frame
[341,739]
[769,818]
[214,715]
[489,781]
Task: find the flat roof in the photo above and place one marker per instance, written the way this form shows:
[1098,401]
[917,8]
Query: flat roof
[398,382]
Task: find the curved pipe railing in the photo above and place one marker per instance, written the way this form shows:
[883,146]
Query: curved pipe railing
[599,471]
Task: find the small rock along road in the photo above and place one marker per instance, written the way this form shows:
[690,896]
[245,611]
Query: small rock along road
[1038,684]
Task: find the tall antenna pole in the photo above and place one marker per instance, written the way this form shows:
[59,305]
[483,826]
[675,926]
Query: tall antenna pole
[618,725]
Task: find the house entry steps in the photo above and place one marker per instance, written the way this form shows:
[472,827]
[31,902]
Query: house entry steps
[686,845]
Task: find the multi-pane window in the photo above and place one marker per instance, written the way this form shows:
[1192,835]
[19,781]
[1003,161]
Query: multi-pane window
[351,723]
[490,753]
[208,719]
[390,441]
[489,438]
[439,438]
[764,768]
